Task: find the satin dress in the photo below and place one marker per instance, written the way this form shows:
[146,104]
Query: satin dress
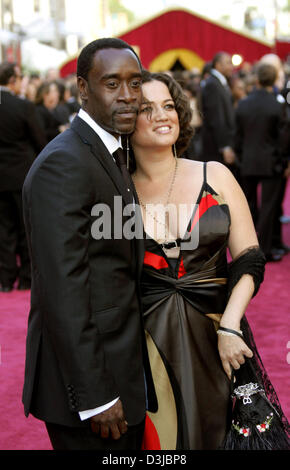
[183,300]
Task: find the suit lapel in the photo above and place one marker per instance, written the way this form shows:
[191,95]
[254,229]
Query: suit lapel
[226,92]
[99,150]
[139,242]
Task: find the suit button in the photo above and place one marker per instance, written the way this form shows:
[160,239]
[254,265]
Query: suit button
[73,404]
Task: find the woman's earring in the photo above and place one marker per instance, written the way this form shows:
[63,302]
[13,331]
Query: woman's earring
[127,152]
[174,151]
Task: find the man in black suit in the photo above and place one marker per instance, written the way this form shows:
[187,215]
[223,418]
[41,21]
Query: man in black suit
[87,369]
[259,129]
[21,139]
[218,113]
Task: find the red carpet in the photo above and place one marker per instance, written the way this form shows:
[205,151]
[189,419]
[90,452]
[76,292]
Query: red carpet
[268,315]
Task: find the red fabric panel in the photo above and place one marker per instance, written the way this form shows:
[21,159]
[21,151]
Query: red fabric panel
[150,439]
[156,261]
[205,203]
[181,270]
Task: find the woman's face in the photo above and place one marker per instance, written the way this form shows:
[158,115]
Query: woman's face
[157,123]
[51,99]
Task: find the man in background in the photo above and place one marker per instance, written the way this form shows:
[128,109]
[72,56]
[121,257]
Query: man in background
[218,112]
[259,122]
[21,139]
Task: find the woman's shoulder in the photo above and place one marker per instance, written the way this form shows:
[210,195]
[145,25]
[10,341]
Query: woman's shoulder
[215,171]
[222,180]
[219,172]
[190,164]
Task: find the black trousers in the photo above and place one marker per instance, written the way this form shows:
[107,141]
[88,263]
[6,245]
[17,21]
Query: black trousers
[263,216]
[72,438]
[277,234]
[13,240]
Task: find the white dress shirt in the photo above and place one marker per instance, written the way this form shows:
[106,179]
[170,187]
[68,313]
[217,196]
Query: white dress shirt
[112,144]
[225,84]
[108,139]
[220,76]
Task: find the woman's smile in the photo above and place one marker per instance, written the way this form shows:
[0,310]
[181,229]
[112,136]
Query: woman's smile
[157,123]
[163,129]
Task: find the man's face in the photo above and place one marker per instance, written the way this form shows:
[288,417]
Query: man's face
[226,66]
[15,81]
[112,94]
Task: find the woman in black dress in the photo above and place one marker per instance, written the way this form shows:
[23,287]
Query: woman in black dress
[192,213]
[46,100]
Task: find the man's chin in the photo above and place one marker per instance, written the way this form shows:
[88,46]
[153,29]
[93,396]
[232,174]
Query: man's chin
[127,128]
[120,127]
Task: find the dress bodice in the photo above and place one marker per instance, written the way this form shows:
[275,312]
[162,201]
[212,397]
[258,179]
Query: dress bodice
[180,299]
[200,272]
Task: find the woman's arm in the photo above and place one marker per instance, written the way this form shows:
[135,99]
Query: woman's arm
[232,349]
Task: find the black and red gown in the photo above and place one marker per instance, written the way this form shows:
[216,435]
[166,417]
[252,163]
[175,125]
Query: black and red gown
[192,388]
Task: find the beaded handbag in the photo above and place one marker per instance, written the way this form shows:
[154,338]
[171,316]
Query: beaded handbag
[256,423]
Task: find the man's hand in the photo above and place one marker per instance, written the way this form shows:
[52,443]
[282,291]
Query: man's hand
[229,155]
[110,423]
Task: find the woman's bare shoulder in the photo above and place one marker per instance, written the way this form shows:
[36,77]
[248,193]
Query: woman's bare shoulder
[191,171]
[213,168]
[220,177]
[190,165]
[217,169]
[189,162]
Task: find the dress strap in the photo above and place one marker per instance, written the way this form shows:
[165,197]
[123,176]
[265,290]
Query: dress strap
[204,172]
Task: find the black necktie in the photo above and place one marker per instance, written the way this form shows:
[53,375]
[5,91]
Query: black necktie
[120,159]
[122,165]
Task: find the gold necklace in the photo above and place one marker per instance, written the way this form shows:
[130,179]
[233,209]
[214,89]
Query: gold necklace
[166,223]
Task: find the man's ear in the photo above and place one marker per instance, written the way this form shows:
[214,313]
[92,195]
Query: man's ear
[83,88]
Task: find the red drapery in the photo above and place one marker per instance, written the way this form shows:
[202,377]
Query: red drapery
[180,29]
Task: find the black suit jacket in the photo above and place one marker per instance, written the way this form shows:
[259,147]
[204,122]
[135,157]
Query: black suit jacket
[85,342]
[49,123]
[259,126]
[218,119]
[21,139]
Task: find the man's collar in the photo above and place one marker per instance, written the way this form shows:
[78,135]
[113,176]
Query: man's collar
[108,139]
[6,88]
[220,76]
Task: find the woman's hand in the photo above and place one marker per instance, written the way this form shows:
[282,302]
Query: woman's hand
[232,351]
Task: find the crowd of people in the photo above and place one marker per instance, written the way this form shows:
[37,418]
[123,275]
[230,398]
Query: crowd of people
[241,118]
[126,331]
[33,111]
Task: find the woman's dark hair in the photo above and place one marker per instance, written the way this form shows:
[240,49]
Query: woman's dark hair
[43,90]
[182,107]
[267,74]
[61,89]
[86,56]
[7,71]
